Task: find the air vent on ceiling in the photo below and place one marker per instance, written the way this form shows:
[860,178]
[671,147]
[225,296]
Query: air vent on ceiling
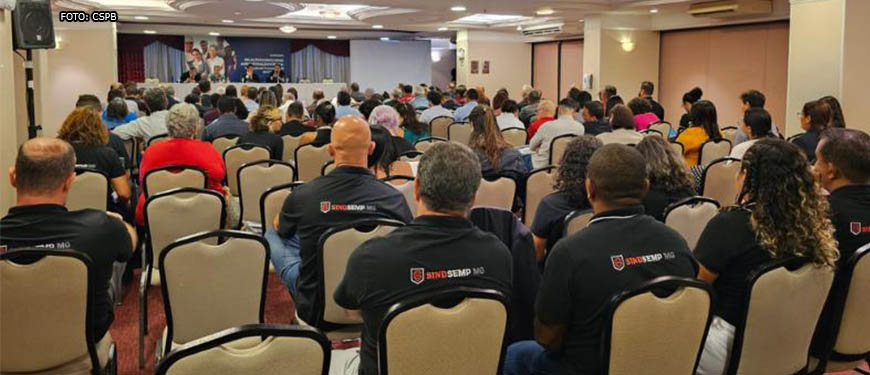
[731,8]
[542,30]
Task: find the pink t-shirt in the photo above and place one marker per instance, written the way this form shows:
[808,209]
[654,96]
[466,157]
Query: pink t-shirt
[643,121]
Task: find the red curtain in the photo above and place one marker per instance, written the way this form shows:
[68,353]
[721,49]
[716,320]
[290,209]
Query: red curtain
[332,47]
[131,59]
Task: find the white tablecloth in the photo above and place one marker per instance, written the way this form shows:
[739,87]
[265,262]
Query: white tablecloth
[305,90]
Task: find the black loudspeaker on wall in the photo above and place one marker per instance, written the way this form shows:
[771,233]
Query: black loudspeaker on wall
[33,25]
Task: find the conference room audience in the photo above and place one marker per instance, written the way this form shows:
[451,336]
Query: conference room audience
[756,124]
[205,93]
[406,93]
[612,102]
[435,109]
[495,154]
[565,124]
[343,108]
[170,95]
[703,127]
[669,178]
[440,238]
[510,116]
[328,201]
[42,176]
[317,97]
[147,126]
[594,121]
[781,214]
[837,119]
[643,115]
[228,124]
[249,99]
[116,114]
[420,100]
[355,94]
[689,99]
[193,98]
[461,113]
[585,270]
[647,89]
[132,108]
[815,117]
[294,126]
[751,99]
[115,142]
[498,101]
[267,97]
[609,91]
[324,116]
[546,112]
[382,160]
[260,131]
[411,128]
[529,111]
[366,107]
[580,96]
[622,123]
[213,112]
[569,194]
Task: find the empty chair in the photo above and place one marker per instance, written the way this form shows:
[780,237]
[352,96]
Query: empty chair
[424,144]
[310,161]
[405,184]
[717,181]
[576,221]
[459,132]
[439,126]
[208,288]
[557,147]
[285,349]
[774,334]
[729,133]
[515,136]
[712,150]
[499,193]
[271,202]
[157,139]
[44,315]
[221,144]
[419,337]
[539,184]
[668,331]
[663,127]
[290,145]
[689,217]
[171,177]
[254,179]
[238,155]
[90,189]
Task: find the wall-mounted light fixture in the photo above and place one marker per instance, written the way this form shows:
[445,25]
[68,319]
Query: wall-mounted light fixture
[627,45]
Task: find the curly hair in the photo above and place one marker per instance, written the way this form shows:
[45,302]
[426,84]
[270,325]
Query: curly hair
[83,126]
[666,168]
[789,214]
[486,137]
[571,175]
[260,120]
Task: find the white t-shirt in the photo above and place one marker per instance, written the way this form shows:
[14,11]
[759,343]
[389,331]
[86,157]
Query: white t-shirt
[508,120]
[739,150]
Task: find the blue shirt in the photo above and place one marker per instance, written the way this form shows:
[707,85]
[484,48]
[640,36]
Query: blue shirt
[419,101]
[345,110]
[111,124]
[435,111]
[461,113]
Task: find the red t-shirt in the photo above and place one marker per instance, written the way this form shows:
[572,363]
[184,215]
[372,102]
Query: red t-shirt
[181,151]
[407,98]
[533,128]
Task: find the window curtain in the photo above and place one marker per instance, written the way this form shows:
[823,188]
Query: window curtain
[131,51]
[315,65]
[163,62]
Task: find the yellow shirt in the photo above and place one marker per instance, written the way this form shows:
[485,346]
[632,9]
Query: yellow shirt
[692,139]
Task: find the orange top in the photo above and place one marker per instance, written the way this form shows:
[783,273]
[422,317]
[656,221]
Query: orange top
[692,139]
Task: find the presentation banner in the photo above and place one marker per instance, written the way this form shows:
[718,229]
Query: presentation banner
[226,58]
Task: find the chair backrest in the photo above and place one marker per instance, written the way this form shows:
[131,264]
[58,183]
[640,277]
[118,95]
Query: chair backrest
[271,202]
[208,288]
[717,181]
[782,309]
[290,145]
[284,349]
[515,136]
[335,246]
[412,155]
[712,150]
[237,156]
[221,144]
[44,309]
[132,147]
[539,183]
[424,144]
[498,193]
[327,167]
[459,132]
[171,177]
[157,139]
[90,189]
[689,217]
[668,331]
[405,185]
[852,342]
[310,161]
[254,179]
[558,146]
[729,133]
[677,147]
[649,132]
[663,127]
[181,212]
[438,126]
[577,220]
[414,334]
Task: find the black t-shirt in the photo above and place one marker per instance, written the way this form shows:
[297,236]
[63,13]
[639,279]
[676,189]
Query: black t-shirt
[103,238]
[324,136]
[294,128]
[101,158]
[402,145]
[657,200]
[344,195]
[597,127]
[850,214]
[550,217]
[117,144]
[264,138]
[728,247]
[657,109]
[618,251]
[685,121]
[808,142]
[442,251]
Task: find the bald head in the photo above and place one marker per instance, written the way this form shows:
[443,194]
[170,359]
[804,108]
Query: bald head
[351,142]
[43,166]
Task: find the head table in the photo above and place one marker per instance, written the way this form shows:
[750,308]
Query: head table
[330,90]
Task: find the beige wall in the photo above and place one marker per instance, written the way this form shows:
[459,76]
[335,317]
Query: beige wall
[510,61]
[725,62]
[441,69]
[627,69]
[9,138]
[856,60]
[546,69]
[592,52]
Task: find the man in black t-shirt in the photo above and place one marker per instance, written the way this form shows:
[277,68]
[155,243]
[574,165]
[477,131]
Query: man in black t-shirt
[620,249]
[294,126]
[43,174]
[439,249]
[646,92]
[593,119]
[349,193]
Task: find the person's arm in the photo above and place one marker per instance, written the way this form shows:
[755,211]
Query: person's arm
[130,130]
[131,232]
[554,303]
[549,336]
[706,275]
[540,247]
[121,186]
[536,140]
[718,244]
[352,289]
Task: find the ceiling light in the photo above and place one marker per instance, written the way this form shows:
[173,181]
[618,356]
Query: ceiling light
[520,28]
[491,19]
[385,39]
[545,12]
[582,21]
[214,33]
[458,8]
[653,10]
[442,29]
[377,26]
[237,13]
[150,32]
[331,37]
[140,18]
[287,29]
[227,21]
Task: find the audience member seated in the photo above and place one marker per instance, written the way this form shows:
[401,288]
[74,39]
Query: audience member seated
[390,119]
[689,99]
[585,270]
[495,154]
[435,109]
[569,194]
[440,238]
[461,114]
[349,193]
[148,126]
[669,177]
[227,124]
[407,93]
[565,124]
[816,116]
[249,99]
[205,93]
[622,123]
[324,116]
[344,109]
[420,100]
[498,101]
[294,126]
[355,94]
[781,214]
[411,128]
[115,142]
[250,74]
[530,109]
[449,102]
[42,177]
[593,118]
[213,113]
[510,116]
[756,124]
[382,159]
[703,127]
[116,114]
[182,149]
[262,121]
[267,97]
[646,91]
[241,110]
[581,97]
[193,98]
[605,95]
[546,112]
[643,116]
[611,103]
[120,90]
[837,120]
[752,99]
[367,106]
[277,75]
[191,75]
